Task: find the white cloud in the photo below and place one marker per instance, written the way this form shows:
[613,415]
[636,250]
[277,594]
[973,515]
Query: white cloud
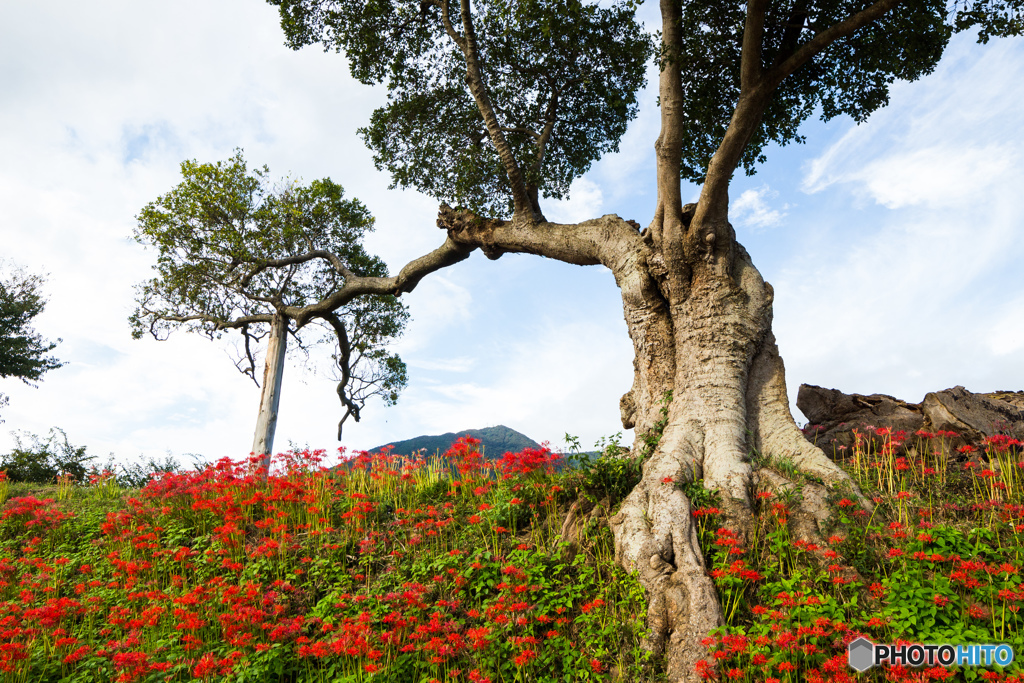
[560,376]
[1006,329]
[941,140]
[460,364]
[751,209]
[901,280]
[584,202]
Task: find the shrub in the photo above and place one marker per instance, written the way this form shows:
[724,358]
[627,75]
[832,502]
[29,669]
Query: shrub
[42,462]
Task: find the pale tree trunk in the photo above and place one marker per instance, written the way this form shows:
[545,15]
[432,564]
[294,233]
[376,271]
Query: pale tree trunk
[270,396]
[706,339]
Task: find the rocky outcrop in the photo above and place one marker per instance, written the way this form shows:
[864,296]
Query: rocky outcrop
[975,416]
[834,416]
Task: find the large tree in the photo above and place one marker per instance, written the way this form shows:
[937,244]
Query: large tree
[236,251]
[495,104]
[23,351]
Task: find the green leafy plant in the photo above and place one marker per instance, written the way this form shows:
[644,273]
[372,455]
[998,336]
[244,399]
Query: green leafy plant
[44,460]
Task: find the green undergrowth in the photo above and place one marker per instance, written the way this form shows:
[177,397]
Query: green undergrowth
[455,568]
[382,568]
[936,560]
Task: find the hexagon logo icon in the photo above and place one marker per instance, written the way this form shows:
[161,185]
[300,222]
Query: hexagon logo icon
[861,654]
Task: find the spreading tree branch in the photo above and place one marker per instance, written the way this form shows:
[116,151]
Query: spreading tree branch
[825,38]
[751,57]
[477,87]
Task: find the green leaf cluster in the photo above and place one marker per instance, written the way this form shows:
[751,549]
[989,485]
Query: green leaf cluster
[223,223]
[234,249]
[564,65]
[852,76]
[41,461]
[22,349]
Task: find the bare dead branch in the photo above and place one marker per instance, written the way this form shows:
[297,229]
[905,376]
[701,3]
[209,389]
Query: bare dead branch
[345,364]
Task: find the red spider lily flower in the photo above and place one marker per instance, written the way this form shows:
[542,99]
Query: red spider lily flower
[667,480]
[845,503]
[77,654]
[595,666]
[940,600]
[976,611]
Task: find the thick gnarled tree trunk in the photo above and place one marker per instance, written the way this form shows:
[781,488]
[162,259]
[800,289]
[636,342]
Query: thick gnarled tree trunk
[708,346]
[715,352]
[699,315]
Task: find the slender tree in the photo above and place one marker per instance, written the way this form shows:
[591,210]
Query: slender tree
[235,252]
[494,104]
[23,351]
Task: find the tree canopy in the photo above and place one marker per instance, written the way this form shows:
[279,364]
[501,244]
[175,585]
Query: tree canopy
[561,78]
[23,351]
[234,250]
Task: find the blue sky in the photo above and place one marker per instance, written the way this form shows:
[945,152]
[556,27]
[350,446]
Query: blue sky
[894,246]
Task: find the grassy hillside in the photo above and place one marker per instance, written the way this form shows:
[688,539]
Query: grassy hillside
[456,569]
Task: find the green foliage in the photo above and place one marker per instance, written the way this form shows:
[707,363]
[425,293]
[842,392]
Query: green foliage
[42,461]
[314,575]
[609,477]
[22,349]
[934,561]
[234,250]
[653,437]
[136,474]
[852,76]
[562,74]
[217,232]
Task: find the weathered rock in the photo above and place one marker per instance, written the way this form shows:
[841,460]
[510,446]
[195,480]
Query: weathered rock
[974,416]
[834,415]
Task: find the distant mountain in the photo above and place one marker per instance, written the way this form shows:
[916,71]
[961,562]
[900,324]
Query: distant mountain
[495,442]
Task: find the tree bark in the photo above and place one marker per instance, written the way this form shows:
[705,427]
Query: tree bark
[728,401]
[270,396]
[709,350]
